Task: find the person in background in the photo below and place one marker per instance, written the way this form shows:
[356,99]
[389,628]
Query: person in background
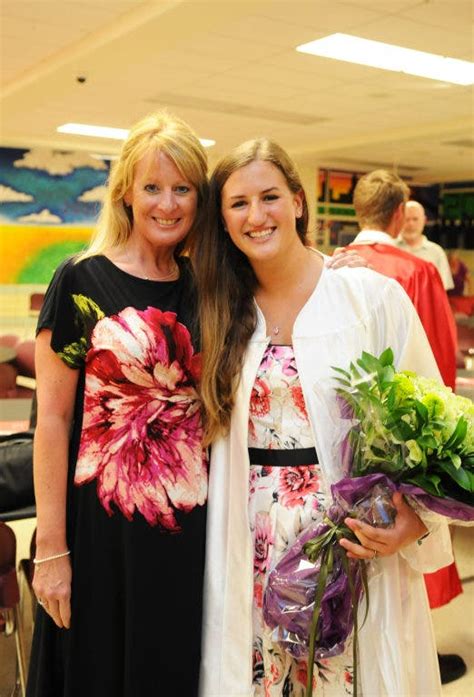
[462,280]
[412,239]
[379,202]
[120,471]
[274,321]
[461,297]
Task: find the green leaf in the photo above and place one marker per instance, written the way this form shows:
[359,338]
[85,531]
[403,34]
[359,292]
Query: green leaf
[427,441]
[355,373]
[343,372]
[421,410]
[369,363]
[455,459]
[461,477]
[387,374]
[458,435]
[430,483]
[404,431]
[386,357]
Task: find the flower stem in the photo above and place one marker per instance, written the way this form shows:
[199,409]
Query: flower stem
[320,588]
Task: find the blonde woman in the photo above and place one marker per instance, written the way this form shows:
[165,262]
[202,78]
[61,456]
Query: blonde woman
[120,472]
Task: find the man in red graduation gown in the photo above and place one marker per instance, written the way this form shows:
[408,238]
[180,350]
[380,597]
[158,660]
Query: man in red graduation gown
[379,201]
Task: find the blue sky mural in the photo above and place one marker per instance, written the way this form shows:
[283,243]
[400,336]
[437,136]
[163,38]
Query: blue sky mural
[52,187]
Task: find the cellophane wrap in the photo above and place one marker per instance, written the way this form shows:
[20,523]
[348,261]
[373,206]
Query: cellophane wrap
[289,596]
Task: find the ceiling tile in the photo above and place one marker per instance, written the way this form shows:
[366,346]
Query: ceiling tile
[418,35]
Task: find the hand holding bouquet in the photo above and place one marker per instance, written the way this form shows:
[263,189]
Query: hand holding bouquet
[407,433]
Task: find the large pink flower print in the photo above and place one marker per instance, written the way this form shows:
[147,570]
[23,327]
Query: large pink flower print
[142,431]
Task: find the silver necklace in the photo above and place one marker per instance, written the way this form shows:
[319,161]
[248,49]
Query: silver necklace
[276,330]
[167,276]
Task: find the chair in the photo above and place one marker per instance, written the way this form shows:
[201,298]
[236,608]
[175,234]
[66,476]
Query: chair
[26,570]
[8,375]
[36,302]
[465,343]
[10,603]
[10,340]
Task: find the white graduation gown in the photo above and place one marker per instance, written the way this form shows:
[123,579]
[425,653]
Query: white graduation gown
[349,311]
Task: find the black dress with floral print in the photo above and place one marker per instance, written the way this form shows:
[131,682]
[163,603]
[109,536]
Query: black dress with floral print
[137,487]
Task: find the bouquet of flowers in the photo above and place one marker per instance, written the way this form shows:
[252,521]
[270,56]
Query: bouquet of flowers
[408,433]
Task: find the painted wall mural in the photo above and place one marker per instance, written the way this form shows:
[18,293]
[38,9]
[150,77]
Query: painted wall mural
[49,202]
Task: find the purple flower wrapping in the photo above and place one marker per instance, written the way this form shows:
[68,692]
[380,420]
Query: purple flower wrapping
[350,490]
[289,598]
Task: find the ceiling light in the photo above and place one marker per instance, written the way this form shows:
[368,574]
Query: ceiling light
[84,129]
[207,142]
[376,54]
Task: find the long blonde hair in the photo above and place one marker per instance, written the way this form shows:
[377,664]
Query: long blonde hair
[159,132]
[226,286]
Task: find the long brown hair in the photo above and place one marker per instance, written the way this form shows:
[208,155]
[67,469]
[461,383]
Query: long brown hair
[226,286]
[158,132]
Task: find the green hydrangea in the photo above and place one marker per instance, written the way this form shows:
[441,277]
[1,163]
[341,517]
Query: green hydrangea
[410,427]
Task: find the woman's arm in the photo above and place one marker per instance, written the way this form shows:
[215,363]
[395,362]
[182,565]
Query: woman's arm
[56,391]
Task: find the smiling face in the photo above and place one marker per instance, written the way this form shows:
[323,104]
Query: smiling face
[260,211]
[164,203]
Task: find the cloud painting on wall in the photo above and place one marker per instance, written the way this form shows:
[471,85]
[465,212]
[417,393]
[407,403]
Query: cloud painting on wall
[49,202]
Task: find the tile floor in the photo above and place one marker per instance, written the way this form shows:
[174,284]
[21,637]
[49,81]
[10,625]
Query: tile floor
[454,623]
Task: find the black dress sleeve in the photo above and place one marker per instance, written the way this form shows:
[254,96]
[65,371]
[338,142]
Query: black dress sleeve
[59,314]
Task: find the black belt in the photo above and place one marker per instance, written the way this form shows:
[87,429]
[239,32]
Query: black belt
[283,458]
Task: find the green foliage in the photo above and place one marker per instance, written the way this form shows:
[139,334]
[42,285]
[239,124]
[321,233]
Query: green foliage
[411,428]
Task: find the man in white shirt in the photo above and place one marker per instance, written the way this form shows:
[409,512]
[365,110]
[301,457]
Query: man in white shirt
[412,239]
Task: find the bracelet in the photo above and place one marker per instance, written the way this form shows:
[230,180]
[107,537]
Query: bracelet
[53,556]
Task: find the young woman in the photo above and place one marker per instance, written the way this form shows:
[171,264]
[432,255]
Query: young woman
[120,472]
[273,323]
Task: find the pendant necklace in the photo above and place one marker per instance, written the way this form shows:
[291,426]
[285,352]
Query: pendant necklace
[276,330]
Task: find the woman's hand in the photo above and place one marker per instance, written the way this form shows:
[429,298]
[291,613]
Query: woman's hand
[345,257]
[382,542]
[52,587]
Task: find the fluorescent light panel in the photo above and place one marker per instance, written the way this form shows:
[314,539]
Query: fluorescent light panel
[84,129]
[376,54]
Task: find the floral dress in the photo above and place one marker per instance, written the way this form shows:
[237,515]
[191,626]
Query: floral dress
[284,499]
[137,487]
